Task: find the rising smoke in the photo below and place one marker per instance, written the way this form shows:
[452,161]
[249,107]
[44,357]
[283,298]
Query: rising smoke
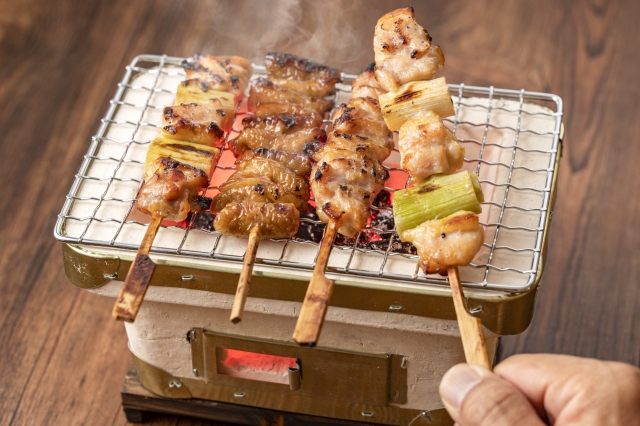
[325,31]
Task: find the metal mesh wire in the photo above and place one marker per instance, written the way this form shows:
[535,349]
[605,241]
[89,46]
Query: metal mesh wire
[510,142]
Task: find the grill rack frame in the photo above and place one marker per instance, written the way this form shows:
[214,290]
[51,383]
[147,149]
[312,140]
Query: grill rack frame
[461,90]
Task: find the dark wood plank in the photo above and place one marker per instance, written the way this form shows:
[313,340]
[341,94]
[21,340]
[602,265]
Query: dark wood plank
[62,357]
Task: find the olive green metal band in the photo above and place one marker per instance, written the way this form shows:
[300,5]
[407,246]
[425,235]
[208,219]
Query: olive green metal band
[164,384]
[502,313]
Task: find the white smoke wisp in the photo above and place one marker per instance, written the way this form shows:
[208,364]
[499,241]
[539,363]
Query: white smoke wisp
[329,32]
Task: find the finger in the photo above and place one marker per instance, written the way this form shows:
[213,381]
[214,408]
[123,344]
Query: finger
[567,388]
[474,396]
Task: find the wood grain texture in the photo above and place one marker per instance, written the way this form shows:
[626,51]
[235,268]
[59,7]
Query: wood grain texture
[62,357]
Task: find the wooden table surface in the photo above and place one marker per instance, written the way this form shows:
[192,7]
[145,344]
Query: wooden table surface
[62,357]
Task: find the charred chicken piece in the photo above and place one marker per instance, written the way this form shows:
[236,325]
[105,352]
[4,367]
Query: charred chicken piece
[403,50]
[361,119]
[445,243]
[428,147]
[250,139]
[299,164]
[280,123]
[262,90]
[301,75]
[356,143]
[268,109]
[172,189]
[273,171]
[199,123]
[226,73]
[257,190]
[366,84]
[279,220]
[345,183]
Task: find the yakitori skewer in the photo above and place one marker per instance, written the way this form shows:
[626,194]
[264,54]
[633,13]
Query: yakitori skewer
[345,180]
[270,189]
[181,159]
[406,62]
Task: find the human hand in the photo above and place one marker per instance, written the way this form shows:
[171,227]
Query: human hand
[534,390]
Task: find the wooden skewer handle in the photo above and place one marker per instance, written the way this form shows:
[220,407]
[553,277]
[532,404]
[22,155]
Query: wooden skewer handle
[316,301]
[475,348]
[135,285]
[245,276]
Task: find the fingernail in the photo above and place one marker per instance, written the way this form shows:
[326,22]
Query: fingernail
[457,382]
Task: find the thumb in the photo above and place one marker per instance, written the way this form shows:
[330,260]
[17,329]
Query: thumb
[474,396]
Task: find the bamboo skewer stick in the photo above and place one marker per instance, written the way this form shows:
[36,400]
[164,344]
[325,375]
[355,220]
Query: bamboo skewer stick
[316,301]
[139,275]
[475,348]
[245,276]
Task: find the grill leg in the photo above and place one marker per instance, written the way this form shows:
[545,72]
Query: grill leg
[135,416]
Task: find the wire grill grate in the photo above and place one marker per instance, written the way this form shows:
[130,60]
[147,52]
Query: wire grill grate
[510,142]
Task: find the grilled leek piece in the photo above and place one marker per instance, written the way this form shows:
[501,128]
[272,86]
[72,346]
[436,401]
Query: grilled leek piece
[438,197]
[414,98]
[198,156]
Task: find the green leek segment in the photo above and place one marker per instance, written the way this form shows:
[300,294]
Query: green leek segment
[436,198]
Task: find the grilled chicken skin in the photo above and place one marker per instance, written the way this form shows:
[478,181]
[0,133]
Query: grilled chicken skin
[224,73]
[255,189]
[448,242]
[274,172]
[428,147]
[301,75]
[345,183]
[172,189]
[279,220]
[366,84]
[403,50]
[268,109]
[280,123]
[299,164]
[250,139]
[199,123]
[263,90]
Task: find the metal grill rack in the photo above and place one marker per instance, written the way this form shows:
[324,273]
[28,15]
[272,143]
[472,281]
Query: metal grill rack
[512,142]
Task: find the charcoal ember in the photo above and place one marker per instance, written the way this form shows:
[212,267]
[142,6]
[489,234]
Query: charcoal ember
[308,231]
[203,220]
[342,240]
[383,199]
[400,247]
[382,219]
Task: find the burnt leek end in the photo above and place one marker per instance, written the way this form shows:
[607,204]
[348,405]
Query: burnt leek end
[437,197]
[413,98]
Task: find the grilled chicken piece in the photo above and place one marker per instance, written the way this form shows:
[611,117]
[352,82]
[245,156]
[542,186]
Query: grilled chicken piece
[428,147]
[357,143]
[280,123]
[301,75]
[299,164]
[172,189]
[278,220]
[362,118]
[366,84]
[258,190]
[448,242]
[403,50]
[225,73]
[199,123]
[345,182]
[275,172]
[250,139]
[268,109]
[262,90]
